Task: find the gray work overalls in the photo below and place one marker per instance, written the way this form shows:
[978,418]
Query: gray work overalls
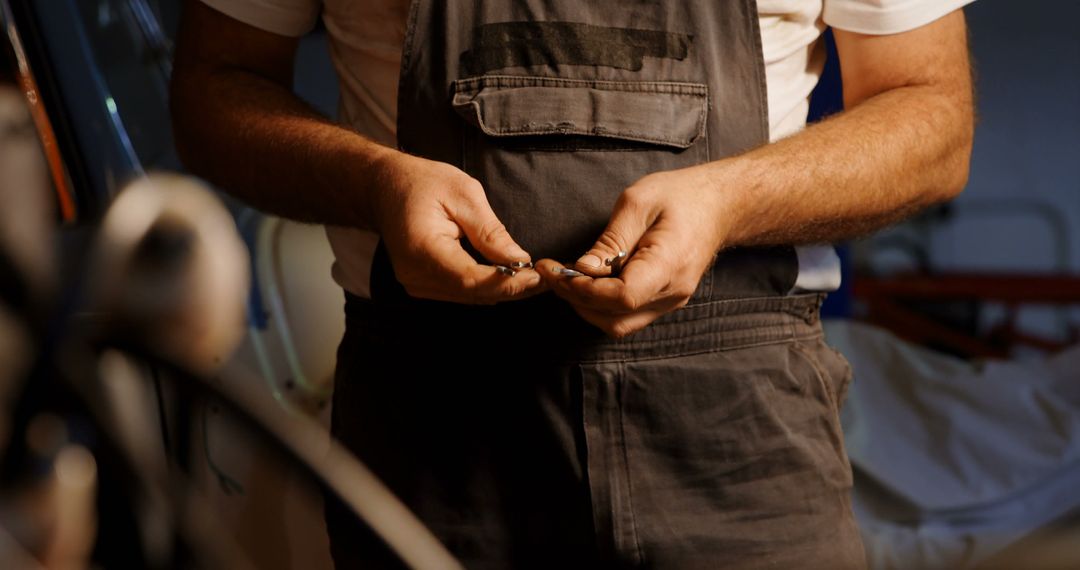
[521,435]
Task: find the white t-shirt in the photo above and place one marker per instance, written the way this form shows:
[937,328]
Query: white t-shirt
[365,44]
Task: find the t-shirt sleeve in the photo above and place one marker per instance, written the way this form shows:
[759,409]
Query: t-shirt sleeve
[881,17]
[292,18]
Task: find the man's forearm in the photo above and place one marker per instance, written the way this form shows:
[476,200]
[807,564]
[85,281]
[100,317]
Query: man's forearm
[890,155]
[904,144]
[887,158]
[258,141]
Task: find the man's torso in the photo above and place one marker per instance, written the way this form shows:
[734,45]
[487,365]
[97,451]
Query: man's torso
[366,40]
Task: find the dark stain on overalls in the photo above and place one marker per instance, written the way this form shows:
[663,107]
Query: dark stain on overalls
[522,435]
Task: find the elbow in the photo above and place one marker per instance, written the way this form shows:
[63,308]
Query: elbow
[961,169]
[956,165]
[955,177]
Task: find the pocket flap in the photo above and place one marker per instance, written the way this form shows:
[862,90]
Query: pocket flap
[658,112]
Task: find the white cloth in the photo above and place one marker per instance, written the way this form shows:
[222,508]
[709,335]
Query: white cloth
[365,44]
[955,461]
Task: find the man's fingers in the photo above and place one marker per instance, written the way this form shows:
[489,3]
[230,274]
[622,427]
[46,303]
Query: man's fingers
[486,233]
[486,285]
[644,280]
[612,303]
[457,277]
[628,223]
[553,272]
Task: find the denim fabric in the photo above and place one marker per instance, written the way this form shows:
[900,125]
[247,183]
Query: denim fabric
[526,440]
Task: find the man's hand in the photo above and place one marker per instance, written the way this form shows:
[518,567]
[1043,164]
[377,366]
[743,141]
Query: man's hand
[903,144]
[238,124]
[422,211]
[670,224]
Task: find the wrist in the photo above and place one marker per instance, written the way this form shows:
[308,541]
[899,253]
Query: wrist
[732,190]
[372,170]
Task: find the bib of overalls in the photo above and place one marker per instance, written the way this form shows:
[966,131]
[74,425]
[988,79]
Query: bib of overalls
[557,106]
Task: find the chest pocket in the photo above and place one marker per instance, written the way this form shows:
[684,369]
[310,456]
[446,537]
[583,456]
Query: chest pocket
[554,154]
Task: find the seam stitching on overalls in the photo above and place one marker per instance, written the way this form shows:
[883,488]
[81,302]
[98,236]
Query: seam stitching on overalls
[782,299]
[473,85]
[626,468]
[819,373]
[589,451]
[680,354]
[756,328]
[407,55]
[598,131]
[759,68]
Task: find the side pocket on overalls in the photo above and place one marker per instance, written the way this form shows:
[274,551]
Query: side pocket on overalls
[829,374]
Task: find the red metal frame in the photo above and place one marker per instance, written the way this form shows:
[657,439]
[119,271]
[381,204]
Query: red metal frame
[883,299]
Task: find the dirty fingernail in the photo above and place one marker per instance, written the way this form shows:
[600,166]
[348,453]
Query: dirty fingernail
[505,270]
[589,260]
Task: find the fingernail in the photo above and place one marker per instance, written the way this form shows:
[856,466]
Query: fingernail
[567,272]
[522,265]
[589,260]
[505,270]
